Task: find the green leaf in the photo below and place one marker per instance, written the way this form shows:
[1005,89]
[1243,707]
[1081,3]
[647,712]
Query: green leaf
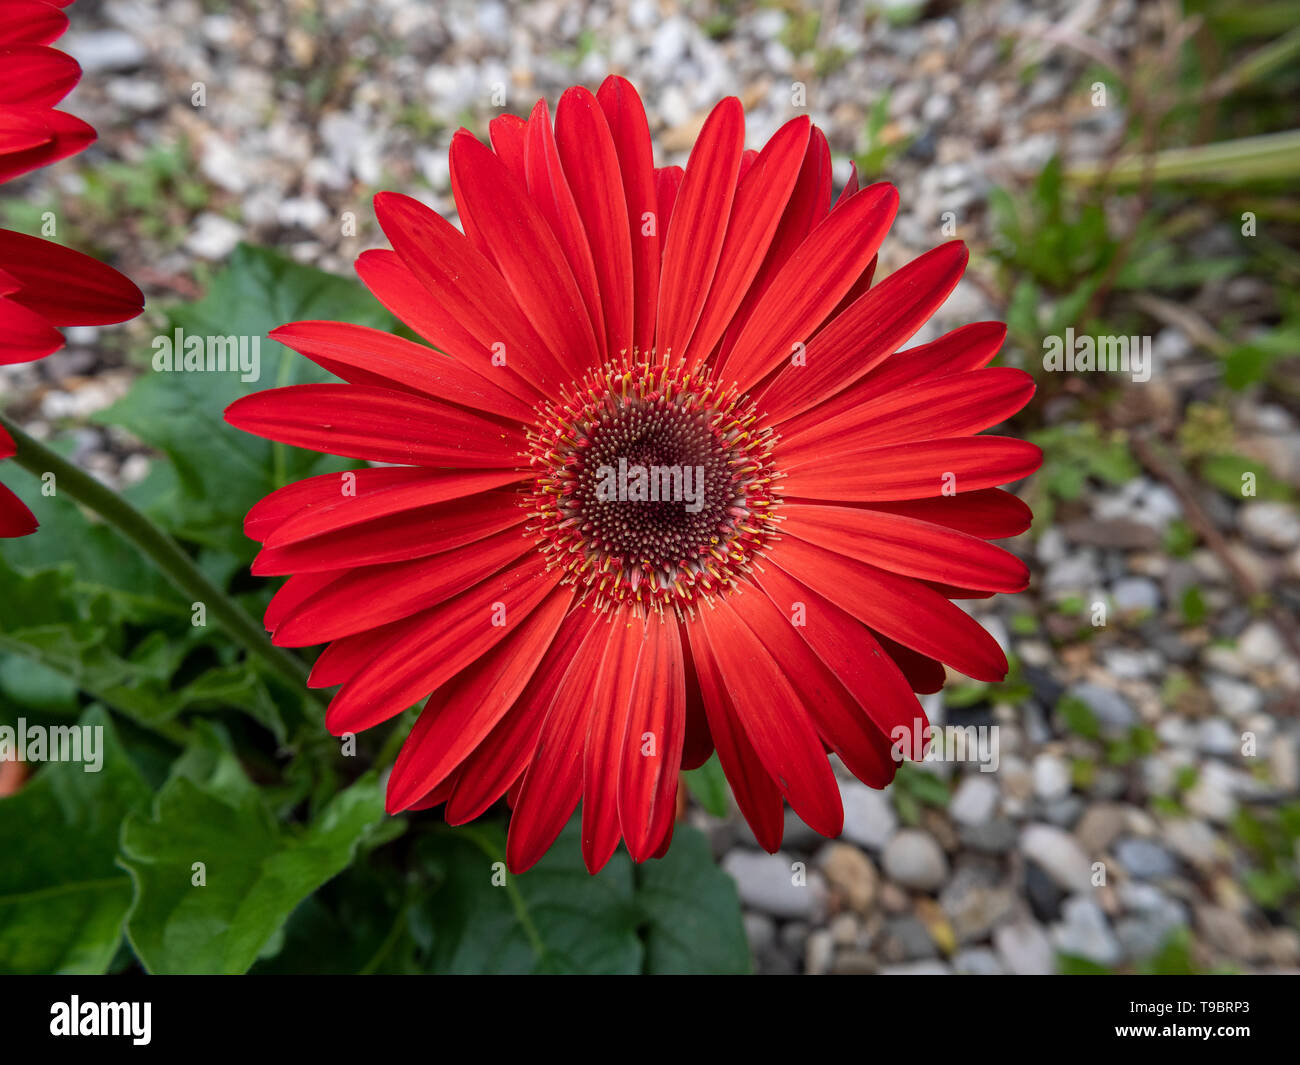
[216,471]
[255,870]
[677,914]
[709,785]
[62,900]
[692,911]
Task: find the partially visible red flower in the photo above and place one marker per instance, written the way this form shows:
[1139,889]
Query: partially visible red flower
[15,518]
[43,285]
[598,314]
[33,78]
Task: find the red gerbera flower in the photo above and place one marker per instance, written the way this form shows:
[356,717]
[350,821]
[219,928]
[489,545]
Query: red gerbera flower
[584,630]
[43,285]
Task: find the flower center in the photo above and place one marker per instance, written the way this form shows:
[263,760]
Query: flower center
[653,486]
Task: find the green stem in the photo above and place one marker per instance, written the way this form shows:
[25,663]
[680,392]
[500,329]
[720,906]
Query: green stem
[166,554]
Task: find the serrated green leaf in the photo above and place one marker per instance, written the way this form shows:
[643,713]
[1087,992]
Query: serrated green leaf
[62,899]
[255,871]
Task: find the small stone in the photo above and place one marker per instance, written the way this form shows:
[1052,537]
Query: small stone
[214,237]
[974,902]
[1059,855]
[1270,524]
[1145,859]
[1085,933]
[1212,795]
[977,961]
[1043,894]
[869,818]
[1216,736]
[913,858]
[1099,826]
[997,836]
[1260,644]
[975,799]
[1051,777]
[1193,841]
[760,930]
[851,873]
[766,883]
[1224,930]
[1235,698]
[916,968]
[818,953]
[1133,595]
[906,939]
[1024,949]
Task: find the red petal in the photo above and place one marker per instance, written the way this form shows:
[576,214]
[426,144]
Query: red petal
[466,296]
[917,470]
[15,518]
[373,493]
[760,201]
[612,693]
[376,424]
[36,76]
[668,182]
[591,163]
[24,335]
[526,251]
[365,356]
[850,651]
[647,782]
[66,136]
[31,22]
[756,792]
[811,283]
[370,596]
[411,533]
[865,335]
[774,718]
[461,714]
[841,716]
[960,405]
[631,133]
[808,205]
[553,194]
[907,546]
[64,286]
[438,644]
[293,592]
[903,609]
[699,225]
[553,783]
[508,133]
[504,754]
[990,514]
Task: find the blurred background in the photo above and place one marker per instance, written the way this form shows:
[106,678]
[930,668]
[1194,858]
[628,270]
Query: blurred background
[1119,168]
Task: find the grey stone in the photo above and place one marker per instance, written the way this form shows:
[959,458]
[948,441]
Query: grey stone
[977,961]
[1085,933]
[913,859]
[1051,776]
[1024,949]
[1134,594]
[766,883]
[1059,855]
[869,818]
[1270,524]
[975,799]
[1145,859]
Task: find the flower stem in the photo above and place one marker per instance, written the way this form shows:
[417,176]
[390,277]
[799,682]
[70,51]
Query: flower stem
[165,553]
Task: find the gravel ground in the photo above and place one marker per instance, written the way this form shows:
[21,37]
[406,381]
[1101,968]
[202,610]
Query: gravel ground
[311,108]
